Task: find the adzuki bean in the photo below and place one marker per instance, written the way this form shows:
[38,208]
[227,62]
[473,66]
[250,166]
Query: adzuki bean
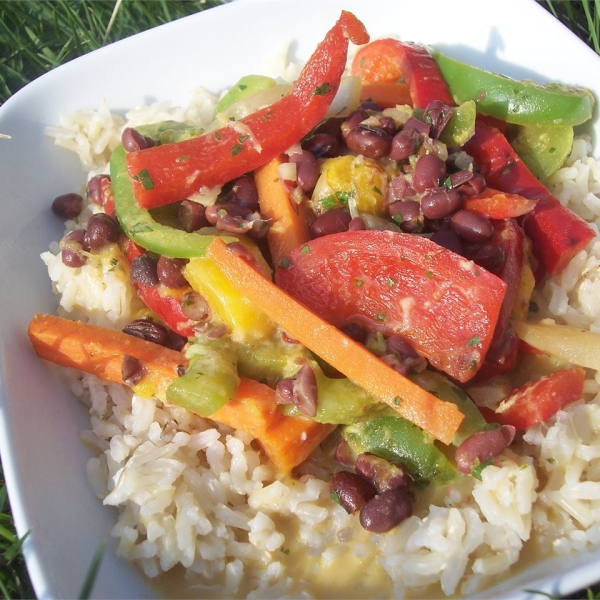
[386,510]
[351,491]
[102,229]
[169,271]
[336,220]
[67,206]
[471,226]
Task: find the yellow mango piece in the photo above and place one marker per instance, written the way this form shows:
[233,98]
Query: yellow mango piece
[245,322]
[350,178]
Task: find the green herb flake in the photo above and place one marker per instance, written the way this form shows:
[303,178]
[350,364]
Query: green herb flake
[322,90]
[479,468]
[335,497]
[113,264]
[429,274]
[343,197]
[533,307]
[236,149]
[243,138]
[285,551]
[380,316]
[305,249]
[397,401]
[391,282]
[397,218]
[429,256]
[217,136]
[376,190]
[362,62]
[474,341]
[266,116]
[328,202]
[141,228]
[285,263]
[242,86]
[143,177]
[359,283]
[183,158]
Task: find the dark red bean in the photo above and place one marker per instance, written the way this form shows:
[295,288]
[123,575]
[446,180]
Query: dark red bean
[97,189]
[438,114]
[398,189]
[440,202]
[473,186]
[357,224]
[401,345]
[472,227]
[407,215]
[132,370]
[333,221]
[380,472]
[284,391]
[307,169]
[354,119]
[459,178]
[305,391]
[322,145]
[405,143]
[418,125]
[143,270]
[133,140]
[72,248]
[194,306]
[356,332]
[351,491]
[386,510]
[244,252]
[483,445]
[388,125]
[191,217]
[371,105]
[429,171]
[149,331]
[176,341]
[372,142]
[67,206]
[102,229]
[169,271]
[344,453]
[243,192]
[448,239]
[490,257]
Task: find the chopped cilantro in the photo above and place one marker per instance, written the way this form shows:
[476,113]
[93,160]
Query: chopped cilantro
[305,249]
[477,470]
[285,262]
[236,149]
[144,178]
[322,90]
[474,341]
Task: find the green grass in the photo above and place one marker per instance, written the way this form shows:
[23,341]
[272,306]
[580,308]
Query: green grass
[38,35]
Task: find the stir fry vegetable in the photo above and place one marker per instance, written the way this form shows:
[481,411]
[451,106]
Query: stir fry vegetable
[310,272]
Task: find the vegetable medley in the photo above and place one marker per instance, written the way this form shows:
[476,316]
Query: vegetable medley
[314,269]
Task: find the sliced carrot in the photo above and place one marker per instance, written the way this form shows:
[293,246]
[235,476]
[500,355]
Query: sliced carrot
[288,227]
[286,440]
[100,351]
[438,418]
[499,205]
[386,93]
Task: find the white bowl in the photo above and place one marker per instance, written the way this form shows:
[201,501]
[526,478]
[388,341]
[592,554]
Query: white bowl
[44,461]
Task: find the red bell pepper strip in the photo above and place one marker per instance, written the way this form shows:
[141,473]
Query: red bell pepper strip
[557,233]
[537,401]
[171,172]
[167,306]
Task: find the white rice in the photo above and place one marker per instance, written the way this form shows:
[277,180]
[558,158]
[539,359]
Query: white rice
[196,495]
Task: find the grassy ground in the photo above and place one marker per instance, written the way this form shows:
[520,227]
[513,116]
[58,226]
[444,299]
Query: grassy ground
[38,35]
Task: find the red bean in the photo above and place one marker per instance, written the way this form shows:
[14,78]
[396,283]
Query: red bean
[284,391]
[386,510]
[243,192]
[307,169]
[195,307]
[383,474]
[143,270]
[102,229]
[439,202]
[344,453]
[67,206]
[490,257]
[473,186]
[405,143]
[98,187]
[407,215]
[336,220]
[418,125]
[305,391]
[372,142]
[472,227]
[483,445]
[132,370]
[398,189]
[148,330]
[322,145]
[191,216]
[351,491]
[353,120]
[357,224]
[430,169]
[73,249]
[438,114]
[133,140]
[448,239]
[169,271]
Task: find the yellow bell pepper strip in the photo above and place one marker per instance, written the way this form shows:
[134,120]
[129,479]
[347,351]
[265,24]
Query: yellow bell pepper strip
[139,225]
[557,233]
[440,419]
[171,172]
[513,101]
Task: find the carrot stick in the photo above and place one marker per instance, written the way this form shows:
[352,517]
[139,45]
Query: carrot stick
[100,351]
[438,418]
[387,94]
[286,440]
[288,228]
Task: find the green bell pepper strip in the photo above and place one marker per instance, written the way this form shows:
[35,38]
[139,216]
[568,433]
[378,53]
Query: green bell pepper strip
[518,102]
[397,439]
[246,86]
[171,172]
[210,380]
[139,225]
